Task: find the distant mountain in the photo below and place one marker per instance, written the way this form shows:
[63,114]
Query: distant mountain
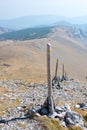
[27,34]
[82,26]
[77,33]
[62,23]
[41,21]
[29,21]
[68,30]
[73,31]
[4,30]
[78,20]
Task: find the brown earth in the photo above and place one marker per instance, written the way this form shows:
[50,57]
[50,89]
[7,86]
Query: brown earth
[26,60]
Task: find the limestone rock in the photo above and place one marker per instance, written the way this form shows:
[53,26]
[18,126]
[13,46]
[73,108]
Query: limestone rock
[73,118]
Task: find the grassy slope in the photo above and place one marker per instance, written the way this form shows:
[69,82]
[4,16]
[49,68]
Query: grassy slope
[27,59]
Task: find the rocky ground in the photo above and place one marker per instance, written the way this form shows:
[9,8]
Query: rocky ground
[17,97]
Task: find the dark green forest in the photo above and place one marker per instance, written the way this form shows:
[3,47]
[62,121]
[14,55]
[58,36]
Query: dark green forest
[27,34]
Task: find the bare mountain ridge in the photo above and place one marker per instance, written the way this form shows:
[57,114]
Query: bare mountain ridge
[70,31]
[27,59]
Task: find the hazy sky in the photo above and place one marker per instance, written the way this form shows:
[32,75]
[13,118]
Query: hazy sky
[16,8]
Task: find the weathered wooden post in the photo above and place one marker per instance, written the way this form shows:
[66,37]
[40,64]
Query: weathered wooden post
[49,71]
[63,73]
[63,70]
[50,98]
[66,76]
[56,68]
[55,80]
[49,103]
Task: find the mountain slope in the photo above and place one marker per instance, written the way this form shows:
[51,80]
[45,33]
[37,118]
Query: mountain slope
[68,30]
[4,30]
[29,21]
[26,34]
[40,21]
[27,59]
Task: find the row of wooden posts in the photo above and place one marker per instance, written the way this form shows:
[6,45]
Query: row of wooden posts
[56,79]
[49,103]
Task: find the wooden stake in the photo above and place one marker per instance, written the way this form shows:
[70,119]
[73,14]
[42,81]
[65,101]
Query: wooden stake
[55,80]
[63,71]
[49,70]
[63,75]
[56,68]
[49,98]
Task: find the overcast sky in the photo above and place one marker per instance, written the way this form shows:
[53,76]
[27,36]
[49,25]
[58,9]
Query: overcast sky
[15,8]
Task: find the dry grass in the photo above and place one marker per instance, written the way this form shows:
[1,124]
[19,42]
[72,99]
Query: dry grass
[54,124]
[5,104]
[85,118]
[50,124]
[26,60]
[75,128]
[3,90]
[23,126]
